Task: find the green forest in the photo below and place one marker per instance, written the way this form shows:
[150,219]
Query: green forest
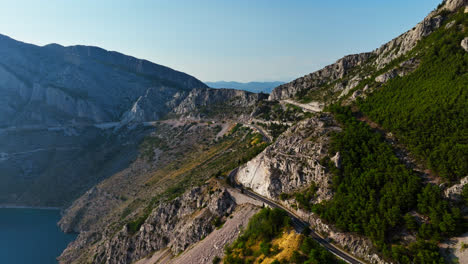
[265,226]
[427,109]
[377,196]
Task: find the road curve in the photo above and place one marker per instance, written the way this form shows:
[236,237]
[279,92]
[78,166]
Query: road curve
[298,223]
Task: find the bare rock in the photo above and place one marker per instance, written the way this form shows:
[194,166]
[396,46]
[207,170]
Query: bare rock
[453,5]
[385,77]
[292,162]
[454,192]
[450,24]
[175,224]
[337,160]
[464,44]
[199,98]
[312,81]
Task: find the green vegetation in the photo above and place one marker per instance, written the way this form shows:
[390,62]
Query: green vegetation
[372,188]
[148,146]
[463,246]
[275,129]
[216,260]
[304,198]
[464,194]
[324,93]
[311,252]
[427,109]
[374,193]
[262,228]
[217,222]
[256,242]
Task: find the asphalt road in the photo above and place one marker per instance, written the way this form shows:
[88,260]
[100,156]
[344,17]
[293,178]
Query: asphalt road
[297,222]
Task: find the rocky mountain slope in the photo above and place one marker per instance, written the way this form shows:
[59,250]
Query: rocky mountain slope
[293,161]
[391,80]
[155,189]
[179,155]
[57,85]
[337,80]
[72,116]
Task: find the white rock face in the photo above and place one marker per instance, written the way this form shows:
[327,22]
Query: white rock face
[314,80]
[464,44]
[407,41]
[311,107]
[351,85]
[385,77]
[292,162]
[454,192]
[256,175]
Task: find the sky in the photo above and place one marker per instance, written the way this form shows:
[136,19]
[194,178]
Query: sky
[214,40]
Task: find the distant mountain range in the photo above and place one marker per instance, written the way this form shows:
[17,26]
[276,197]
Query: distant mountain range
[255,87]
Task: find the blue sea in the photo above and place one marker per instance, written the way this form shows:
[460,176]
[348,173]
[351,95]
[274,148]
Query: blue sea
[31,236]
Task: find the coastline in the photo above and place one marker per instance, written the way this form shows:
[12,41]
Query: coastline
[5,206]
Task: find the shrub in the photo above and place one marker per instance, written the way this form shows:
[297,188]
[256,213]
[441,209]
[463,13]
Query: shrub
[216,260]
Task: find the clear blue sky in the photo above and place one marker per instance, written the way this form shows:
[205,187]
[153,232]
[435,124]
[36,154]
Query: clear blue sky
[232,40]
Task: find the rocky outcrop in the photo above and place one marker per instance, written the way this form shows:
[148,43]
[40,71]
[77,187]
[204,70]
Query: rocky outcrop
[464,44]
[454,192]
[199,99]
[292,162]
[385,77]
[343,74]
[453,5]
[153,105]
[316,79]
[403,69]
[176,224]
[407,41]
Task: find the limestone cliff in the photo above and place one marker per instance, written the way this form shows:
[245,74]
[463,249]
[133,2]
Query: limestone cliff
[292,162]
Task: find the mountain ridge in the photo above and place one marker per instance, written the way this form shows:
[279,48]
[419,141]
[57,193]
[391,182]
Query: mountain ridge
[99,85]
[315,82]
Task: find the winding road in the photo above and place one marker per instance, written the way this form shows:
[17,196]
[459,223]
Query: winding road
[297,222]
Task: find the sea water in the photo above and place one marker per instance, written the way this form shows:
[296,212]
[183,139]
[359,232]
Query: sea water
[31,236]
